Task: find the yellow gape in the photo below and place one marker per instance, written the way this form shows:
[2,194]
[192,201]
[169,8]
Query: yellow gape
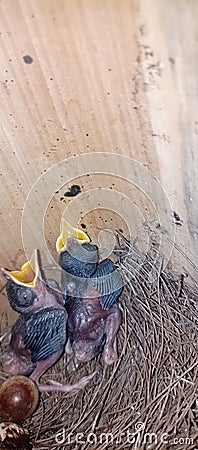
[28,273]
[68,231]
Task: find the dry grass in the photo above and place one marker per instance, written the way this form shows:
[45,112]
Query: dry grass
[153,386]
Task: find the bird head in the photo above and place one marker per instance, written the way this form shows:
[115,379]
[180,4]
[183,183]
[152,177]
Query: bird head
[77,257]
[25,286]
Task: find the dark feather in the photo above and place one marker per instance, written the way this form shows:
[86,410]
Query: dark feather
[45,333]
[81,260]
[109,283]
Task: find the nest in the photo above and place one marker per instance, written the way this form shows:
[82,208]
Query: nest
[147,399]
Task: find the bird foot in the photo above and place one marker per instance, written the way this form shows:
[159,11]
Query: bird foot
[55,386]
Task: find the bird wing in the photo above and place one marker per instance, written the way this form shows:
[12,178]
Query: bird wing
[45,333]
[109,283]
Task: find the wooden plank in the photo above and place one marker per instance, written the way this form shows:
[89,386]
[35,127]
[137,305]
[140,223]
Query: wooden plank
[105,76]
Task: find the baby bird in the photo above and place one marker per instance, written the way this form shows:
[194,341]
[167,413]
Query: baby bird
[39,334]
[91,290]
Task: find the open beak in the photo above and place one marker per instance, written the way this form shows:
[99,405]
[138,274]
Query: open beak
[28,274]
[68,231]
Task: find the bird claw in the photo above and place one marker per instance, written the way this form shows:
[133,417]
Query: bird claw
[55,386]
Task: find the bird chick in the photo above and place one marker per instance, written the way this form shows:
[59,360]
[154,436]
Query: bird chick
[39,334]
[91,290]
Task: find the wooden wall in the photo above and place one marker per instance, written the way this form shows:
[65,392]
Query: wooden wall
[86,76]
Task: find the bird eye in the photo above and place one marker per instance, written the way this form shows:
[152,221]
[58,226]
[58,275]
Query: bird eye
[25,297]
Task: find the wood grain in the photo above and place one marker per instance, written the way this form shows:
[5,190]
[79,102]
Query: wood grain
[106,76]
